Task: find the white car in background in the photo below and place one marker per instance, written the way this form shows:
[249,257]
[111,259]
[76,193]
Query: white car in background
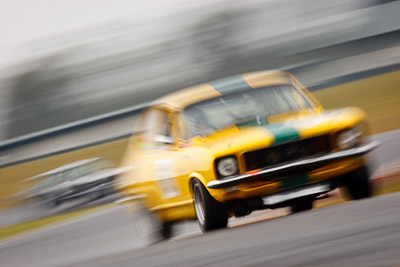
[91,178]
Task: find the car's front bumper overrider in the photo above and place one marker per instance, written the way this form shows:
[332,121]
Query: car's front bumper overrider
[293,166]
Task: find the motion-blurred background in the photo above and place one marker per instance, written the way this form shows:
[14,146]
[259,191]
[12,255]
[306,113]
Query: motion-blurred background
[64,62]
[74,74]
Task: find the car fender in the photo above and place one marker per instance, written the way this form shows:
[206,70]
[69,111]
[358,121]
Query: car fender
[198,176]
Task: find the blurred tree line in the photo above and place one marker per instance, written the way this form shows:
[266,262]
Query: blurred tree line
[38,96]
[41,97]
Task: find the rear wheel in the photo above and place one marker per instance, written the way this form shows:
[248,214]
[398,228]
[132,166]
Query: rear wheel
[53,203]
[357,183]
[149,227]
[302,204]
[210,213]
[166,230]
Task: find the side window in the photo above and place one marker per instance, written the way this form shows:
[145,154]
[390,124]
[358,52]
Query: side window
[178,125]
[156,127]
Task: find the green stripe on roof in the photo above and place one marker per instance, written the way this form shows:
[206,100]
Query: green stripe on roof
[230,85]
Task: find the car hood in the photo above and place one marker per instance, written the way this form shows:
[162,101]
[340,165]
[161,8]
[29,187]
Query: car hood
[233,139]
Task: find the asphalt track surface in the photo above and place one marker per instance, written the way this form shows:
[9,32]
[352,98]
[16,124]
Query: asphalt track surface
[357,233]
[362,233]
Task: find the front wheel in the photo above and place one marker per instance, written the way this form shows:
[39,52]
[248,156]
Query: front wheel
[210,213]
[357,183]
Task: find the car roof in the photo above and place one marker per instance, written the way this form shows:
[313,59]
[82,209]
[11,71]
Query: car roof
[65,167]
[224,86]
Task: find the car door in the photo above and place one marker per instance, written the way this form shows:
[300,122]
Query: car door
[163,160]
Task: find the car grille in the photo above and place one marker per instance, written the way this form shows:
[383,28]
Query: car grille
[287,152]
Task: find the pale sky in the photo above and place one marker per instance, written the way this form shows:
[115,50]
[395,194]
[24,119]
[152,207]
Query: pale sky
[26,25]
[27,22]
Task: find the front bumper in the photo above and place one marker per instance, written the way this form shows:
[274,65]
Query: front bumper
[293,166]
[315,189]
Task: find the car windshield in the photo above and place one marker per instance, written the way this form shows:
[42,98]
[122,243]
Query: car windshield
[248,107]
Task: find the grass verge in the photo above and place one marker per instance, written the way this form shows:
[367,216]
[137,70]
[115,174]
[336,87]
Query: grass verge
[379,96]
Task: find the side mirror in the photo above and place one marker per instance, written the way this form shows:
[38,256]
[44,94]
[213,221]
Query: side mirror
[163,139]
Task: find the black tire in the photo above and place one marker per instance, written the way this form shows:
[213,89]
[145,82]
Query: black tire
[303,204]
[357,183]
[149,228]
[211,214]
[53,203]
[166,230]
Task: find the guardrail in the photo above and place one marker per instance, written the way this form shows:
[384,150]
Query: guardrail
[21,140]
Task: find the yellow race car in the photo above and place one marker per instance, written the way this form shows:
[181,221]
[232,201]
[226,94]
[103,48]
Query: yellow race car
[243,143]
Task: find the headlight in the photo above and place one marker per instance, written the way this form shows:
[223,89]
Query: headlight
[349,138]
[227,166]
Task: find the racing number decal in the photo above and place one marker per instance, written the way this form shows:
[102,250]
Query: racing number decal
[165,177]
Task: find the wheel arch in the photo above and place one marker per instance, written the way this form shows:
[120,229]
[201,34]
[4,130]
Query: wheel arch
[198,176]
